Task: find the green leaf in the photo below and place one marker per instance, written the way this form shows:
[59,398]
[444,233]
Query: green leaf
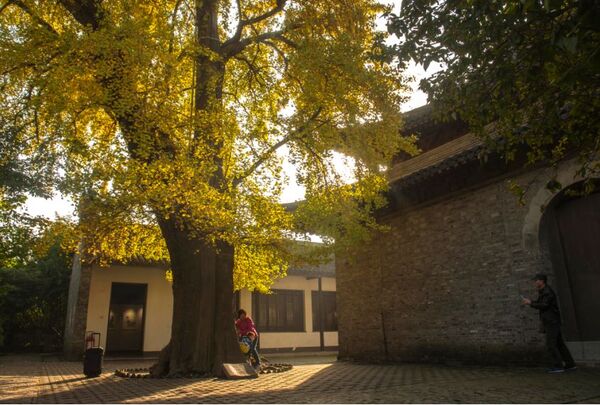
[568,43]
[553,186]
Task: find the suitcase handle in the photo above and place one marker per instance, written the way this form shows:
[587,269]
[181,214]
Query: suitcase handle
[92,340]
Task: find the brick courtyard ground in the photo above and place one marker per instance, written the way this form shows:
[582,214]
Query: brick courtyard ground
[29,380]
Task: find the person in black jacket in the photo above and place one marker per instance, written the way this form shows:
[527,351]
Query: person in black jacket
[547,304]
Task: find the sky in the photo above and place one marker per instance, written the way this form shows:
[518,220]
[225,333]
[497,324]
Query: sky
[63,206]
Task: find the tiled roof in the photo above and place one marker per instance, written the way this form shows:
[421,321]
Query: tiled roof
[431,132]
[140,261]
[307,270]
[457,150]
[418,117]
[322,270]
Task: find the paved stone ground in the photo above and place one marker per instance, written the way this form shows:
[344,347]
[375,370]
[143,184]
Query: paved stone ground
[28,380]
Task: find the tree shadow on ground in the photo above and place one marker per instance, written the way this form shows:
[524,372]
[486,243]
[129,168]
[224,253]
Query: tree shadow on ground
[269,388]
[335,382]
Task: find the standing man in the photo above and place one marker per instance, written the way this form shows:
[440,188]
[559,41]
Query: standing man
[547,304]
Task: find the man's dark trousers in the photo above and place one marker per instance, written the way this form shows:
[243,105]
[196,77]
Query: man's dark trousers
[557,347]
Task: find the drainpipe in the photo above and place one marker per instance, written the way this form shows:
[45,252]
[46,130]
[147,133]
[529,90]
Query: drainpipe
[321,332]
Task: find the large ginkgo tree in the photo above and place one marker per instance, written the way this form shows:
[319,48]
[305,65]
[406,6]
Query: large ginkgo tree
[166,121]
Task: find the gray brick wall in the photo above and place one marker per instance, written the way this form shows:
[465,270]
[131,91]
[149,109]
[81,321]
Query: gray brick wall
[443,284]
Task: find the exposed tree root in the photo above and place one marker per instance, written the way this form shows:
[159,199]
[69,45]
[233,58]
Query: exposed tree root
[266,368]
[161,368]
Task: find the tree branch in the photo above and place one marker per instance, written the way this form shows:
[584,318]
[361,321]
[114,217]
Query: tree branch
[294,134]
[172,24]
[320,162]
[279,7]
[280,4]
[281,54]
[86,12]
[30,12]
[233,49]
[254,70]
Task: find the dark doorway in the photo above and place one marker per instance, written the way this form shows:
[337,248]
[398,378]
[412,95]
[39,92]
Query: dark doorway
[579,227]
[571,227]
[126,317]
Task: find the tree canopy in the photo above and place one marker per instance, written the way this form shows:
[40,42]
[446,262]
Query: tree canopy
[531,67]
[34,285]
[142,114]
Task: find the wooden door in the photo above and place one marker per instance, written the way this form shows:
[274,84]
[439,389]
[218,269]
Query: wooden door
[125,332]
[579,229]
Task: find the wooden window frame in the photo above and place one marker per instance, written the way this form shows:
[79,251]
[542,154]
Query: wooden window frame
[277,300]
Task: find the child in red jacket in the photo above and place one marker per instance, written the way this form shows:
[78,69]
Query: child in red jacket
[245,329]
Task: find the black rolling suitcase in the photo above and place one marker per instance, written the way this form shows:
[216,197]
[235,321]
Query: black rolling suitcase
[94,355]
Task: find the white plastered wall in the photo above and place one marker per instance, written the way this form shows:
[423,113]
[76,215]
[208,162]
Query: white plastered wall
[159,302]
[159,307]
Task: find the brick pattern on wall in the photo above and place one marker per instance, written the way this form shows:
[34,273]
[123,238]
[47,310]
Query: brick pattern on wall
[443,285]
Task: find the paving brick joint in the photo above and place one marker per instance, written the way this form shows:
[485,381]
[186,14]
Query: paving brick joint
[29,380]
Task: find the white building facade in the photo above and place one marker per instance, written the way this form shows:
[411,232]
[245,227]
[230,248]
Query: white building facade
[131,306]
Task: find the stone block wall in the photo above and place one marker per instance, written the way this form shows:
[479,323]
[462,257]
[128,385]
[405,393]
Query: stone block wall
[443,284]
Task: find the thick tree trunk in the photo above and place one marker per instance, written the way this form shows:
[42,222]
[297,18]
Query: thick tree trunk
[203,334]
